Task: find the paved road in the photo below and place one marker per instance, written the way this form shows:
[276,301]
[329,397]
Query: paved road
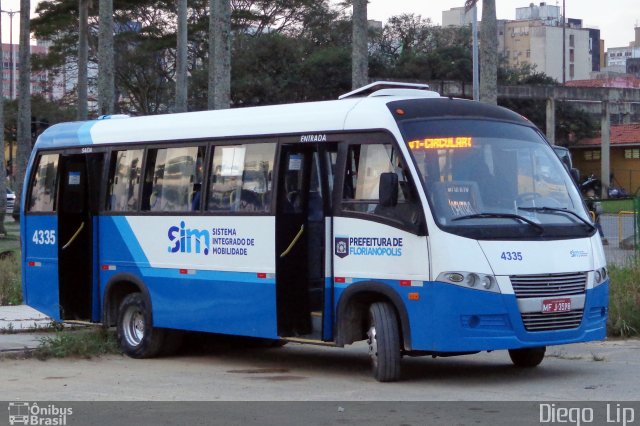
[592,371]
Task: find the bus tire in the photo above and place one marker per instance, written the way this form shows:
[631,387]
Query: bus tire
[383,339]
[527,357]
[135,333]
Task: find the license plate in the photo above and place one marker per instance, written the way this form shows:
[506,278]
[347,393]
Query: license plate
[556,305]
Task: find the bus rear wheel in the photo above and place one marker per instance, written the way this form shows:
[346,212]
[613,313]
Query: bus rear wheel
[527,357]
[136,335]
[383,339]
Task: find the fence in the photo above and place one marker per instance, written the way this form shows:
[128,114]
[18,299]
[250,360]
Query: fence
[620,223]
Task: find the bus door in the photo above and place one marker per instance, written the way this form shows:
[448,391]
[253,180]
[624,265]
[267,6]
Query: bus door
[303,221]
[80,177]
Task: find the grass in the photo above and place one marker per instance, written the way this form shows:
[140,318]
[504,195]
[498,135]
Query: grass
[10,280]
[624,300]
[616,206]
[85,343]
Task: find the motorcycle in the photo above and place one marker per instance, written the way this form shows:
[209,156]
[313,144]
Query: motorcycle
[590,189]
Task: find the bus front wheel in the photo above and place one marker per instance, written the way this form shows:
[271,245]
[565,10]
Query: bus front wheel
[136,335]
[527,357]
[383,338]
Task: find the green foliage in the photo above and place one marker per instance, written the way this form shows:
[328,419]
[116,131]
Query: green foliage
[10,279]
[524,74]
[624,300]
[77,343]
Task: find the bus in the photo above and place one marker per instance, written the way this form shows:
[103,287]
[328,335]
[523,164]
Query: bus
[420,224]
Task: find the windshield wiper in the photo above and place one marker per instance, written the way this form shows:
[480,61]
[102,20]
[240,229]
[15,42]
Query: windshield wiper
[538,228]
[555,209]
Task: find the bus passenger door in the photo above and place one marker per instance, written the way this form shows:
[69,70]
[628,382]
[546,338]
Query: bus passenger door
[303,220]
[80,177]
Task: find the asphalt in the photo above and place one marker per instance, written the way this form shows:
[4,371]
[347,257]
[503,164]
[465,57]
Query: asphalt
[21,328]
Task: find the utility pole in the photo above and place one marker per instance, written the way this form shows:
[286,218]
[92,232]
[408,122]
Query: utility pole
[11,69]
[564,44]
[476,71]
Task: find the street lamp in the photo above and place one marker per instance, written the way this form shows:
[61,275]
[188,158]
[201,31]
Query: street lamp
[11,70]
[11,62]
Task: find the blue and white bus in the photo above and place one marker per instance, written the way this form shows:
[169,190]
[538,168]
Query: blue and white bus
[421,224]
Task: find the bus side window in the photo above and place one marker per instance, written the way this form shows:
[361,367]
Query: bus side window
[124,180]
[361,193]
[173,179]
[43,191]
[241,178]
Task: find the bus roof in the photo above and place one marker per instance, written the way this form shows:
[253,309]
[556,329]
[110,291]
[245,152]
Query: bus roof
[313,117]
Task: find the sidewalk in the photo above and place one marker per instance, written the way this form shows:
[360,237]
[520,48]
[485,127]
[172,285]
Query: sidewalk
[19,326]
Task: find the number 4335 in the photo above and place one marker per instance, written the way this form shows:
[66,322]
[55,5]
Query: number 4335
[44,236]
[511,255]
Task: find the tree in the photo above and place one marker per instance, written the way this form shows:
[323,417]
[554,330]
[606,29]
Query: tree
[488,50]
[83,59]
[219,87]
[360,47]
[106,76]
[181,58]
[24,105]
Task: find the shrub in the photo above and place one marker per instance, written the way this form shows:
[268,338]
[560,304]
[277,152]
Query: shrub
[624,300]
[10,281]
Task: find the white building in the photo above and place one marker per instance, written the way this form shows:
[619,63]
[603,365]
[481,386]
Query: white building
[456,17]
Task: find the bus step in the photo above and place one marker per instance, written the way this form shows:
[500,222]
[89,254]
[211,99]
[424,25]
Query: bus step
[308,341]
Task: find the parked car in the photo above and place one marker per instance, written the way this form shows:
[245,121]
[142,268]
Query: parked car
[11,199]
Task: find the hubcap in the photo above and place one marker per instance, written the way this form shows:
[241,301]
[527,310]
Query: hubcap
[133,326]
[373,345]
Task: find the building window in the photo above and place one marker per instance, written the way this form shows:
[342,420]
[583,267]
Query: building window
[572,40]
[592,155]
[572,56]
[528,53]
[572,71]
[632,154]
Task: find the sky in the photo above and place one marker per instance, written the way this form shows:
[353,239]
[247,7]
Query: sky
[616,19]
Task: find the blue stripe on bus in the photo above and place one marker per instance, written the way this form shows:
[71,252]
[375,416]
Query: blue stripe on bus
[66,134]
[450,318]
[237,303]
[84,133]
[131,241]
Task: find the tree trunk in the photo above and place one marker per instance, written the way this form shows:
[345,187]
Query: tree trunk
[83,58]
[219,90]
[360,47]
[181,58]
[106,79]
[24,105]
[489,53]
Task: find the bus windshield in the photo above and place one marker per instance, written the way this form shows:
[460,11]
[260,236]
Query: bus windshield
[495,180]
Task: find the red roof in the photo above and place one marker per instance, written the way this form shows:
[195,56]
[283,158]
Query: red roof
[621,134]
[621,82]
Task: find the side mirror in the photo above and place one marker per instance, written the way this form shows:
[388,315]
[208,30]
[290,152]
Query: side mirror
[575,174]
[388,189]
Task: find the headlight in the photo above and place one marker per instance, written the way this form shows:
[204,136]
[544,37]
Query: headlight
[472,280]
[600,276]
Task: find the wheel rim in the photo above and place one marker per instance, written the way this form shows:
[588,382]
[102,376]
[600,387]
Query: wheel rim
[373,345]
[133,329]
